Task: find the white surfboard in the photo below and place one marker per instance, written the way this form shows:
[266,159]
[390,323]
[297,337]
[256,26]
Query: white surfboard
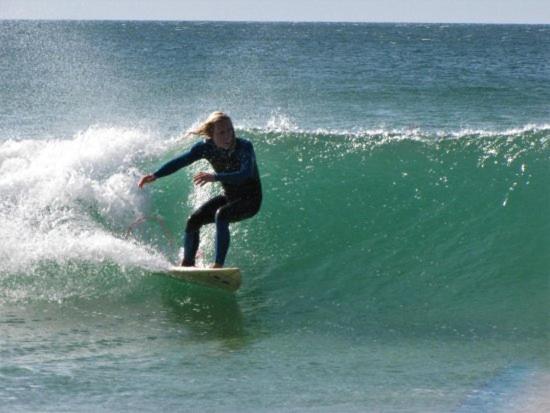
[225,278]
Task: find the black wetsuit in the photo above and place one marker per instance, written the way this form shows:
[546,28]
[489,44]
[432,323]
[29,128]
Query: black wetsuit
[237,171]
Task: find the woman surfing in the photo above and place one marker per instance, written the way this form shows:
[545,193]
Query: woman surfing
[234,163]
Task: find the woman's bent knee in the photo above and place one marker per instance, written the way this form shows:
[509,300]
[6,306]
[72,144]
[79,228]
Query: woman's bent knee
[194,223]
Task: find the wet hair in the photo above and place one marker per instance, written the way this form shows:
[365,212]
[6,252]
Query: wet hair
[206,129]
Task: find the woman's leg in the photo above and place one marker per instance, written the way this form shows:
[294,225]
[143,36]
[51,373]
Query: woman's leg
[205,214]
[222,241]
[233,211]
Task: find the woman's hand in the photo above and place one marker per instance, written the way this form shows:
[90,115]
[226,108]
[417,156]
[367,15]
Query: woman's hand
[147,179]
[202,178]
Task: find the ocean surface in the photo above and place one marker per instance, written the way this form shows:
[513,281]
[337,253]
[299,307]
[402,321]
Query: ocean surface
[401,259]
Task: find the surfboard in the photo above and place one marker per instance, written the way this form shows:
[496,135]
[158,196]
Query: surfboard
[225,278]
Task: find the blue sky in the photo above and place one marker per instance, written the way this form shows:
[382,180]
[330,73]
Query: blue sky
[448,11]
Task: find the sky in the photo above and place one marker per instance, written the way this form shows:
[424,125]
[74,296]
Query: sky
[425,11]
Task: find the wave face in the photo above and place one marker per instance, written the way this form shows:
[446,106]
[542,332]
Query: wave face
[372,229]
[404,229]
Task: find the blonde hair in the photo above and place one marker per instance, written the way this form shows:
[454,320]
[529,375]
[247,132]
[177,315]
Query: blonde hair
[207,127]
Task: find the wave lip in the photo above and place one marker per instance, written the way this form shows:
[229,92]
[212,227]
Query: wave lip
[285,125]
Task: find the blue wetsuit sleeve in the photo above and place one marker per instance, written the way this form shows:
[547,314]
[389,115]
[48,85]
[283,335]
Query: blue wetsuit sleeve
[194,154]
[247,159]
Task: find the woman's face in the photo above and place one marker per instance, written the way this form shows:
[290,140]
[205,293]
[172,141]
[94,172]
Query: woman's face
[223,135]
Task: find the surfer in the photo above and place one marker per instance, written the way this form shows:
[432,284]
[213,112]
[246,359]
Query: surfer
[234,163]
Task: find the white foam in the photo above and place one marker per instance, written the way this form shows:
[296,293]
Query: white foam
[279,122]
[63,199]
